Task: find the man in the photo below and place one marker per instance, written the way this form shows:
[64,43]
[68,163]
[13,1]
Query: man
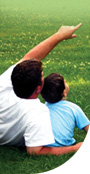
[23,118]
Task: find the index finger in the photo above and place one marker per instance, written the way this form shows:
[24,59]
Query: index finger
[77,26]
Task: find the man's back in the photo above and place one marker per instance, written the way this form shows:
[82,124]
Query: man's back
[20,118]
[11,113]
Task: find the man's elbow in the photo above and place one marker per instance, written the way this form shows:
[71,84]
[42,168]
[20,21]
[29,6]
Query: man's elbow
[34,150]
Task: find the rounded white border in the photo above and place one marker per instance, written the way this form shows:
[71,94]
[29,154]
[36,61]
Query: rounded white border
[79,163]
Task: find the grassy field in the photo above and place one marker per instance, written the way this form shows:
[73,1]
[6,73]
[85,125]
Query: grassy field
[23,24]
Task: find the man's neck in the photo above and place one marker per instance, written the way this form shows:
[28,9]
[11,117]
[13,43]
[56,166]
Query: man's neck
[33,96]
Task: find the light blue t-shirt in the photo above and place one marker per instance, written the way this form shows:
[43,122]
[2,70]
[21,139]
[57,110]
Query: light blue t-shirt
[65,116]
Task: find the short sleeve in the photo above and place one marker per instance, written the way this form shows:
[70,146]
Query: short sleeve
[39,132]
[81,118]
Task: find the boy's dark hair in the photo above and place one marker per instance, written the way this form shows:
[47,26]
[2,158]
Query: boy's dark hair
[26,76]
[53,88]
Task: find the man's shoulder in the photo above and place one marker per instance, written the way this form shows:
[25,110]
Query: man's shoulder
[33,105]
[5,77]
[8,71]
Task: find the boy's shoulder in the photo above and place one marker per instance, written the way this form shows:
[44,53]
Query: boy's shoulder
[63,104]
[70,104]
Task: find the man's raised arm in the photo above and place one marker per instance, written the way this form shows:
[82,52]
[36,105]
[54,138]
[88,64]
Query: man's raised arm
[42,50]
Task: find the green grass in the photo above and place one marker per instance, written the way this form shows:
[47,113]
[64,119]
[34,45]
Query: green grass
[14,160]
[23,24]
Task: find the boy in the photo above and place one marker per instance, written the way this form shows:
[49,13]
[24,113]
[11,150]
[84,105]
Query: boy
[65,115]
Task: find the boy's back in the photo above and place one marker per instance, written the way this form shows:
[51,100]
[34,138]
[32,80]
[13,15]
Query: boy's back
[65,116]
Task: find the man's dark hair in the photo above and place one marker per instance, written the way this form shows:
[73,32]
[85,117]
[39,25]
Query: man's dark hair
[26,76]
[53,88]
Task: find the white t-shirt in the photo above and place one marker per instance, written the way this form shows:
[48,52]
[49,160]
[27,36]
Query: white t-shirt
[22,119]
